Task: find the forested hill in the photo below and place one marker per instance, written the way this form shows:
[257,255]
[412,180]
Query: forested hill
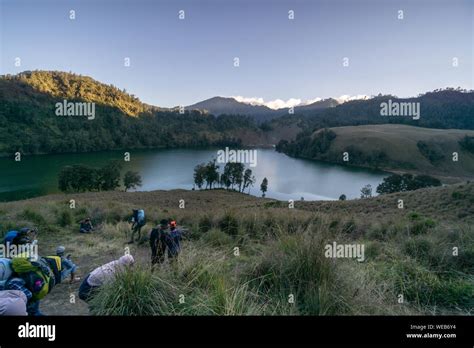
[72,86]
[29,124]
[445,109]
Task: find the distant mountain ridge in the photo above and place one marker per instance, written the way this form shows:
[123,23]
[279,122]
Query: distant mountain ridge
[230,106]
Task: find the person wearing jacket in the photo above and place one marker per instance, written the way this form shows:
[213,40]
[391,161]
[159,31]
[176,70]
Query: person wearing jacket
[103,275]
[158,242]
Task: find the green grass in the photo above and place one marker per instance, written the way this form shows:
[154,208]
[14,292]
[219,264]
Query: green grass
[280,254]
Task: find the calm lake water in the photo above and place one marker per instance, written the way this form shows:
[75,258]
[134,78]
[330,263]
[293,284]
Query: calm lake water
[288,178]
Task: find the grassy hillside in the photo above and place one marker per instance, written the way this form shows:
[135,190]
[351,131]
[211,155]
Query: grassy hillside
[397,148]
[281,253]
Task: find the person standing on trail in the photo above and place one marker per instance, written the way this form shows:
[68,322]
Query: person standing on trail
[103,275]
[138,221]
[158,242]
[173,241]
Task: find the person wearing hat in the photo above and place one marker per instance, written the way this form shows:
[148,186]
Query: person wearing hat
[68,268]
[158,242]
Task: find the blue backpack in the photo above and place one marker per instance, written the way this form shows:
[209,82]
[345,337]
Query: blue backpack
[9,237]
[141,217]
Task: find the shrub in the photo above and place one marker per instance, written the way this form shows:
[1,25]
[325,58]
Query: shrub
[457,195]
[216,237]
[205,223]
[65,218]
[229,224]
[134,292]
[422,227]
[33,217]
[418,248]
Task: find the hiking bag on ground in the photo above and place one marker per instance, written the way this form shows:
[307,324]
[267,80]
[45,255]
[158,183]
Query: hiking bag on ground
[38,276]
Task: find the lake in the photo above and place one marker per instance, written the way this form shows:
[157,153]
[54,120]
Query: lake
[288,178]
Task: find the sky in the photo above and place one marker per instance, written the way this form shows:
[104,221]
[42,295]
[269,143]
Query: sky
[177,61]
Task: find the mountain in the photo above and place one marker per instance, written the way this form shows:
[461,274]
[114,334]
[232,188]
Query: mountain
[229,106]
[319,105]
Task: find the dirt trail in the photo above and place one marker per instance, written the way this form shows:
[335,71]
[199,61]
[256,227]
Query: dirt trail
[59,302]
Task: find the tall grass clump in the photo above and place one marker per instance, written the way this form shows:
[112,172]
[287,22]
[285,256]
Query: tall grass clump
[135,291]
[296,265]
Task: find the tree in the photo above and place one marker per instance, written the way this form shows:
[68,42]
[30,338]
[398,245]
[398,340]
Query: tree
[234,172]
[132,180]
[406,182]
[211,173]
[225,180]
[249,180]
[342,197]
[77,178]
[264,186]
[199,174]
[366,191]
[109,176]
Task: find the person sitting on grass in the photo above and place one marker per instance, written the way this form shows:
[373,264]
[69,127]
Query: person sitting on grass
[68,268]
[102,275]
[86,226]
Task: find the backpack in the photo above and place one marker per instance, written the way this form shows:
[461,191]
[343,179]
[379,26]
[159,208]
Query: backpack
[5,271]
[54,263]
[9,237]
[38,277]
[141,217]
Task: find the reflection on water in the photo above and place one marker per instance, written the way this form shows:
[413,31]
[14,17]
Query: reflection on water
[288,178]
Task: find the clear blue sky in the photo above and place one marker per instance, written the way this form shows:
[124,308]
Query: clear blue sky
[180,62]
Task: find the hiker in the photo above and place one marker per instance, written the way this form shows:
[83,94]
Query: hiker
[68,268]
[138,221]
[36,278]
[12,302]
[86,226]
[24,236]
[102,275]
[158,242]
[173,241]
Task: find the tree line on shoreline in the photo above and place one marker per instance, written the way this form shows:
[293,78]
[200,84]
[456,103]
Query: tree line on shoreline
[234,177]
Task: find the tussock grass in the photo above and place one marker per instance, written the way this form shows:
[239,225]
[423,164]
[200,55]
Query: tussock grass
[280,255]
